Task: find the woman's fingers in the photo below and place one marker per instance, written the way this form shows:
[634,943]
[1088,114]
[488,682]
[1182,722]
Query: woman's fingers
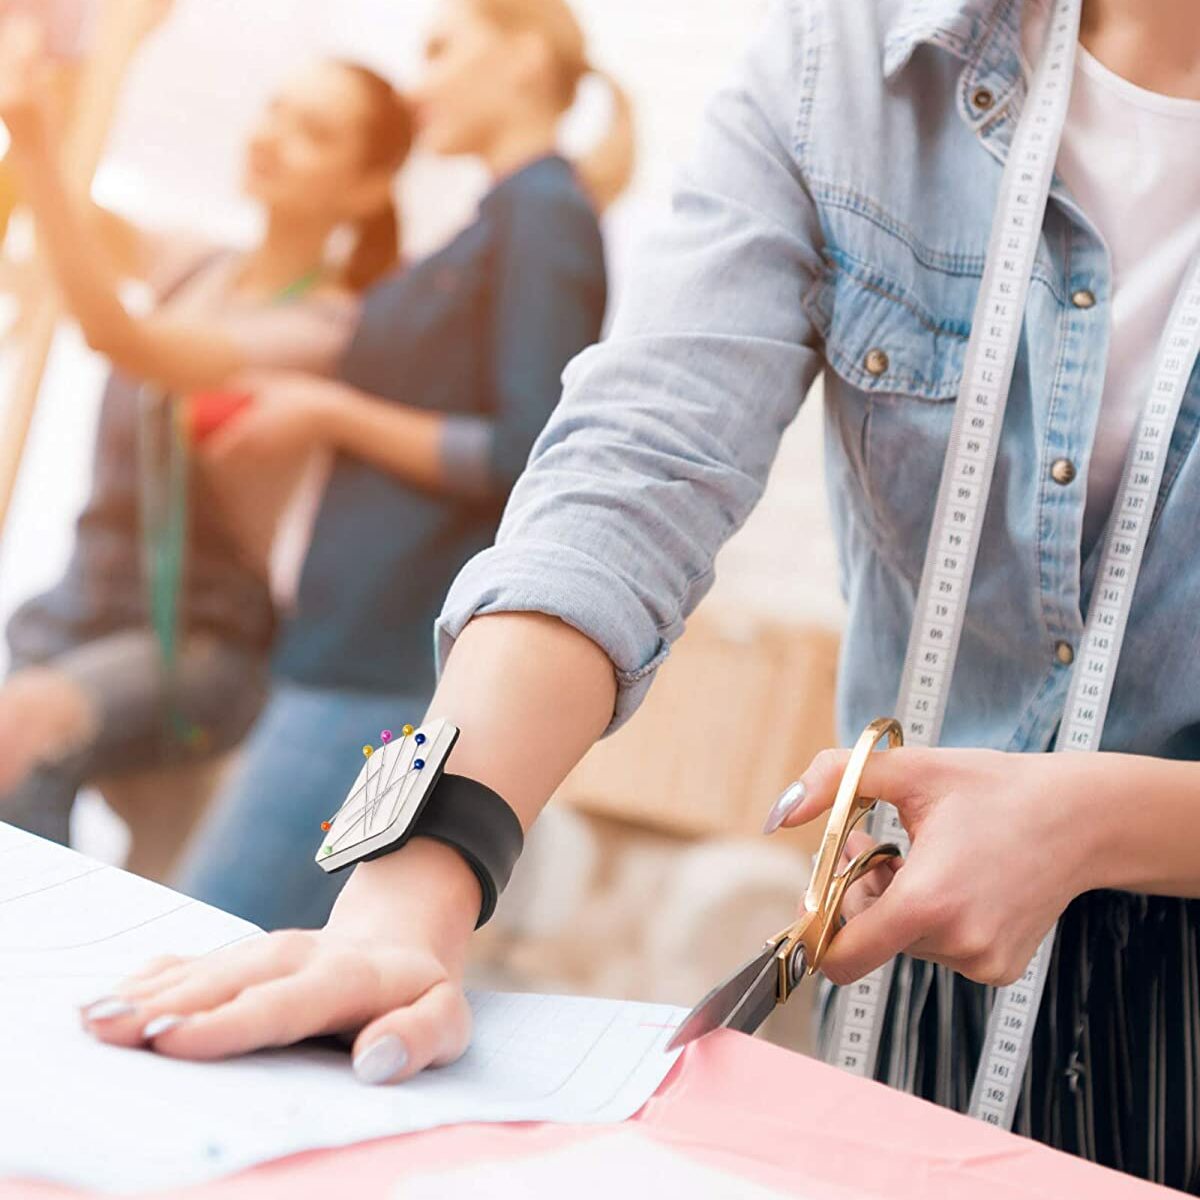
[433,1030]
[871,886]
[184,987]
[896,776]
[275,1013]
[201,987]
[284,987]
[881,929]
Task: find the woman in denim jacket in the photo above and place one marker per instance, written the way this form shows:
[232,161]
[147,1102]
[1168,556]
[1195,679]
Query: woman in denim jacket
[835,218]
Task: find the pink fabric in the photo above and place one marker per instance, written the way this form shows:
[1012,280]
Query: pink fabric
[752,1109]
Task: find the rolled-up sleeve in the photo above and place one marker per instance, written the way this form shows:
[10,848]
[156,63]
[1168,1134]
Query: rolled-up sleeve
[548,304]
[666,433]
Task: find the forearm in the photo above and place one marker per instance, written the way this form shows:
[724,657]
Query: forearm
[1138,816]
[530,695]
[401,441]
[89,284]
[180,355]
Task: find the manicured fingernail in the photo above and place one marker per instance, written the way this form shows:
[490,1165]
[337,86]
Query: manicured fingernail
[785,806]
[107,1008]
[381,1061]
[161,1025]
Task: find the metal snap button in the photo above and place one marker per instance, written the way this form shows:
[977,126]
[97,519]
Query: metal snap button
[1083,298]
[983,99]
[1062,471]
[1065,653]
[876,362]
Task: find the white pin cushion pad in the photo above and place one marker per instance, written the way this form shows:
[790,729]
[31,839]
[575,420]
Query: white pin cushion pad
[388,796]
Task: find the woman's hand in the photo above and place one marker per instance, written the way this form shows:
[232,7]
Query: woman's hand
[999,850]
[289,415]
[385,973]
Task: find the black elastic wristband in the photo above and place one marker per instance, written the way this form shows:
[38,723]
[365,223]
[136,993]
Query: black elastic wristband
[475,821]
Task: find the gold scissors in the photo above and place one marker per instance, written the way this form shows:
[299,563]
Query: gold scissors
[745,1000]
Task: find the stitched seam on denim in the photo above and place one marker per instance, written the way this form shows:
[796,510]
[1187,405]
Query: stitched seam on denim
[866,521]
[944,39]
[911,386]
[811,298]
[1057,389]
[960,265]
[893,382]
[810,62]
[997,117]
[864,456]
[883,285]
[839,196]
[729,528]
[971,73]
[661,654]
[1032,715]
[950,40]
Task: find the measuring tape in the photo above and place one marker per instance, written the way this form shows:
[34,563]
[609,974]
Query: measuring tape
[1010,1026]
[954,543]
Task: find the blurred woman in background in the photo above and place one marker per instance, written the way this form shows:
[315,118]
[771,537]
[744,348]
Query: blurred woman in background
[95,689]
[453,372]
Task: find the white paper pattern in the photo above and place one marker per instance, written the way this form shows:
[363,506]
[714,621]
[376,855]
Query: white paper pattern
[83,1113]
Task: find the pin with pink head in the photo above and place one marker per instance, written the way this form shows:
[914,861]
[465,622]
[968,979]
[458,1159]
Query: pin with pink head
[385,736]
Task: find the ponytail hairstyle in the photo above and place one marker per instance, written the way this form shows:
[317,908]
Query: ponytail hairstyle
[390,129]
[607,169]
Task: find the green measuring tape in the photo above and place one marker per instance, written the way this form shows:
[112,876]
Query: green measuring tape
[165,478]
[164,450]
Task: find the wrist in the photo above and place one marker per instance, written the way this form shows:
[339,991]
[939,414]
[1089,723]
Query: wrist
[424,892]
[330,403]
[1085,815]
[1130,821]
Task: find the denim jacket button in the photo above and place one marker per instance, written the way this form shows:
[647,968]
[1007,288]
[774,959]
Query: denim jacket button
[1065,653]
[1062,471]
[876,362]
[983,99]
[1083,298]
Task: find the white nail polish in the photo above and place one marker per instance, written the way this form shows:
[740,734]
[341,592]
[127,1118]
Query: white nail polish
[381,1061]
[785,806]
[161,1025]
[107,1008]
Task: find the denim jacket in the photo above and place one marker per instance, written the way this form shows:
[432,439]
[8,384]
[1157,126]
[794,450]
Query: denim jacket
[835,218]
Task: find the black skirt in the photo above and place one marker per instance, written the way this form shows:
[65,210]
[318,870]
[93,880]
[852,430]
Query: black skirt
[1115,1065]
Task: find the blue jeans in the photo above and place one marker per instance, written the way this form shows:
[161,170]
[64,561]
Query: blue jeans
[254,853]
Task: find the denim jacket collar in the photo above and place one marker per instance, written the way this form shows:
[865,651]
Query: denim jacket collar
[986,34]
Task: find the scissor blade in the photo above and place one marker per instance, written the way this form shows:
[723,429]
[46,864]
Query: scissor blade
[742,1002]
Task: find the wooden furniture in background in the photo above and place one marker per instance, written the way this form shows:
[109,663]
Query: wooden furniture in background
[732,719]
[91,116]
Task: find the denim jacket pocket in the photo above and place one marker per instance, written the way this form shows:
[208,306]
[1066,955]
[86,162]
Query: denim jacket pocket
[895,366]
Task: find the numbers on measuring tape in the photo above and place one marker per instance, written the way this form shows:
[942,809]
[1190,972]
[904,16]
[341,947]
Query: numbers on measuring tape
[971,457]
[958,518]
[1091,682]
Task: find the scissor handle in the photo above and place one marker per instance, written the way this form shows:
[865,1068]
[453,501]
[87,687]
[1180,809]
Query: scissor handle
[801,947]
[867,861]
[848,809]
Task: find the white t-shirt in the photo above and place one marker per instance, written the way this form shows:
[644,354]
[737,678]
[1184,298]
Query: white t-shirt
[1131,160]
